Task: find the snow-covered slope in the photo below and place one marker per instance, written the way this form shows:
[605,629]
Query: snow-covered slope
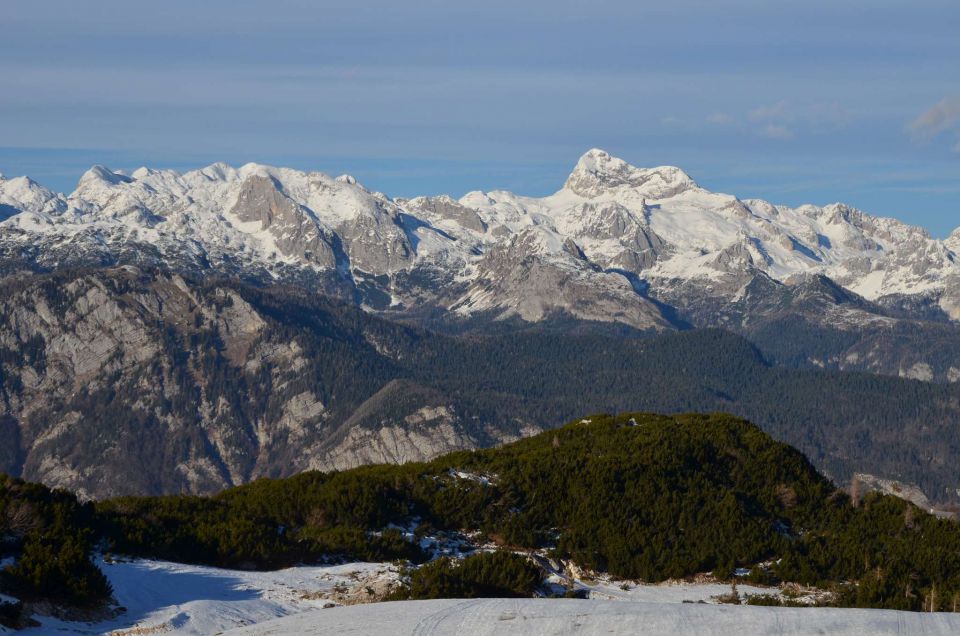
[533,617]
[658,224]
[613,237]
[171,598]
[160,597]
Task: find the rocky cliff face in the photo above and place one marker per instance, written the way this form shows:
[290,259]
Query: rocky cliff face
[116,382]
[291,228]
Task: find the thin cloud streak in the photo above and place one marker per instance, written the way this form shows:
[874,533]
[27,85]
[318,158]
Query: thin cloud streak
[941,117]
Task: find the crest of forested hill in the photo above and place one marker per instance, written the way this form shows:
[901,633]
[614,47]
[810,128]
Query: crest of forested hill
[640,496]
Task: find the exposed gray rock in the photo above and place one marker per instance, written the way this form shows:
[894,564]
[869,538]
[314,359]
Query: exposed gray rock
[514,281]
[908,492]
[295,233]
[118,382]
[444,207]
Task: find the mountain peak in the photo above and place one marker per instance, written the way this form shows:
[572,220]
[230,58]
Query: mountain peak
[599,162]
[598,172]
[218,171]
[100,173]
[953,241]
[595,156]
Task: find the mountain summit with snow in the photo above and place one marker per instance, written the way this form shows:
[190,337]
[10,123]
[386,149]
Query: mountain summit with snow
[597,173]
[615,244]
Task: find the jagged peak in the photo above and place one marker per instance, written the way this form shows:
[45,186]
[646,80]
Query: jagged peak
[24,189]
[953,241]
[22,181]
[259,169]
[219,171]
[598,172]
[594,158]
[102,174]
[143,172]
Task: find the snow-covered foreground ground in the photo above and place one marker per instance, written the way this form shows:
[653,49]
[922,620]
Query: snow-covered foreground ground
[172,598]
[567,616]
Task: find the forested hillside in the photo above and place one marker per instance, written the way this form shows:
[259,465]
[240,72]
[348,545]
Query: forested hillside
[139,382]
[640,496]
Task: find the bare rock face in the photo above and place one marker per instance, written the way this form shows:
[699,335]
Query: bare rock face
[116,391]
[741,257]
[909,492]
[394,444]
[446,208]
[376,244]
[614,236]
[404,422]
[524,279]
[949,300]
[611,220]
[118,382]
[295,233]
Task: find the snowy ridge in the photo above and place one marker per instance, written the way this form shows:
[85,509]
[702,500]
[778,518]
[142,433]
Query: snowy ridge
[595,249]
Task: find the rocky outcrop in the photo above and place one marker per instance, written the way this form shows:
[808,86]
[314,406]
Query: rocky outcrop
[403,422]
[519,280]
[444,208]
[292,229]
[867,483]
[121,381]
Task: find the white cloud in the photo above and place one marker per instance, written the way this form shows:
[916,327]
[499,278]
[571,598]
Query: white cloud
[941,117]
[769,112]
[776,131]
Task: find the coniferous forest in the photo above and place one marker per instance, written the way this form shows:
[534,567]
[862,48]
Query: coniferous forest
[640,496]
[142,418]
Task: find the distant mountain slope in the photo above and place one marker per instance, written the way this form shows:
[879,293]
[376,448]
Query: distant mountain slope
[609,219]
[126,381]
[644,249]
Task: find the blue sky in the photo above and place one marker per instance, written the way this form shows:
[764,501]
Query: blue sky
[793,102]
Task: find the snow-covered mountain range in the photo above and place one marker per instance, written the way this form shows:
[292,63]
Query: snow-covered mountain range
[615,244]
